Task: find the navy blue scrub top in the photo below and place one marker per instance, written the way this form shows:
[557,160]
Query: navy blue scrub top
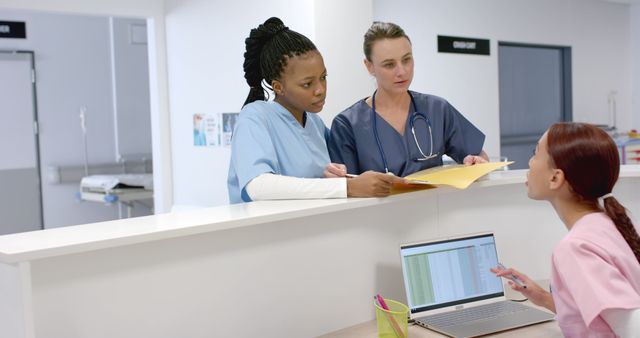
[352,141]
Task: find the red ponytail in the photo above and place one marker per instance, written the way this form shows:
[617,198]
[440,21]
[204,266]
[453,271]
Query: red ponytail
[618,215]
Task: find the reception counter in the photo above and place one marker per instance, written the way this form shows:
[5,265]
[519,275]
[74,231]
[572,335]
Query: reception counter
[264,269]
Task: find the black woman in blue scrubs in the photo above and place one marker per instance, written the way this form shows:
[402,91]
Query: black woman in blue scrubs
[396,130]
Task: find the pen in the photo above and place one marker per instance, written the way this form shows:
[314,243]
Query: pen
[513,277]
[354,175]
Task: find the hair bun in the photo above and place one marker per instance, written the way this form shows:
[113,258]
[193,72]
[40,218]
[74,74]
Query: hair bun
[272,26]
[266,53]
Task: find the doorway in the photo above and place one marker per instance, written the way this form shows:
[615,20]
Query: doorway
[93,116]
[20,201]
[535,92]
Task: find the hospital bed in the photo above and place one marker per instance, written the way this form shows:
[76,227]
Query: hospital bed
[124,189]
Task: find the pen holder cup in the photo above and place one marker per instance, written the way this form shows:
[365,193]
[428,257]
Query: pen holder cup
[392,323]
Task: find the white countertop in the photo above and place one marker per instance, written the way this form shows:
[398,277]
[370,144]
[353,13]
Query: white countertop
[34,245]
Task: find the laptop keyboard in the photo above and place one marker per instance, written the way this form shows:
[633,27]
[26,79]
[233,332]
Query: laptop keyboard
[472,314]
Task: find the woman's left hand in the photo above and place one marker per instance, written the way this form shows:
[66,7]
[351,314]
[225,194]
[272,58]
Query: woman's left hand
[333,170]
[474,159]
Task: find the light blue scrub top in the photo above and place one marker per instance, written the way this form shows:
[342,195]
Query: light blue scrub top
[352,141]
[268,139]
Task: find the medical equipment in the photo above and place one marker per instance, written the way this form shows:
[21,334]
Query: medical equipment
[611,107]
[83,127]
[415,116]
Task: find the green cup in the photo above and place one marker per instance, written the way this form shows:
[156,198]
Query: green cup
[392,323]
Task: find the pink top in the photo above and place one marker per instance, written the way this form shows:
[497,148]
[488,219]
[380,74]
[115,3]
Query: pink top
[593,269]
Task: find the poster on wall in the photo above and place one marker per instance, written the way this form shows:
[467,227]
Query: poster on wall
[213,130]
[228,124]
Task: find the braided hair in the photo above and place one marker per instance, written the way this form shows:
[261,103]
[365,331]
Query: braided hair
[268,48]
[573,144]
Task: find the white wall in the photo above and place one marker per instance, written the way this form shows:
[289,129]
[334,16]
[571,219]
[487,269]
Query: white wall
[153,10]
[340,26]
[635,65]
[598,33]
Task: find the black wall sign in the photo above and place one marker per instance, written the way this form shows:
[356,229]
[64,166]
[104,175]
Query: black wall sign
[453,44]
[13,29]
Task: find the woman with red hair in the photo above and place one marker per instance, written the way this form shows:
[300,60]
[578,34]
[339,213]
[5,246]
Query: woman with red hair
[595,275]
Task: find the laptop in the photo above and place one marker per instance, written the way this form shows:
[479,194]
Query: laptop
[451,290]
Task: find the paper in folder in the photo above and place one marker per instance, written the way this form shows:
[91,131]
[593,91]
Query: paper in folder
[459,176]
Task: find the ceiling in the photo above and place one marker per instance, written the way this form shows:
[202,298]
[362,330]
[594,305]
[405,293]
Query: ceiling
[630,2]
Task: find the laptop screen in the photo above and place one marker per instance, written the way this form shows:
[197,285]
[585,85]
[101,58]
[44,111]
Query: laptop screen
[450,272]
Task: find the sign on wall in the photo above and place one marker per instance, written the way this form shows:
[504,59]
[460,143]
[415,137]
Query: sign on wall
[460,45]
[13,29]
[213,129]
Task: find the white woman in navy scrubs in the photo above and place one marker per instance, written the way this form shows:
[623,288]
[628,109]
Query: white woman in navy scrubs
[397,130]
[278,148]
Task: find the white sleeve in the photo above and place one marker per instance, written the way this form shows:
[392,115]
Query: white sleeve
[624,322]
[277,187]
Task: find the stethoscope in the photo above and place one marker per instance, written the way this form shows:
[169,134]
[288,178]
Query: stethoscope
[414,116]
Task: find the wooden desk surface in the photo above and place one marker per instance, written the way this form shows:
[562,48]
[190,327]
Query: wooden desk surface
[548,329]
[370,330]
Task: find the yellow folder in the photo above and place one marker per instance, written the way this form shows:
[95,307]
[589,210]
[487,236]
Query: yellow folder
[459,175]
